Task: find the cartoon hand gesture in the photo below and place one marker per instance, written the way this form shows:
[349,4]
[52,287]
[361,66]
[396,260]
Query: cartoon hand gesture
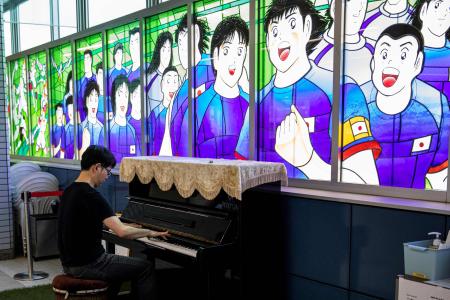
[293,143]
[86,140]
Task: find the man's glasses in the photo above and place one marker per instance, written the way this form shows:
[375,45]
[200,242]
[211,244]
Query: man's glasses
[107,170]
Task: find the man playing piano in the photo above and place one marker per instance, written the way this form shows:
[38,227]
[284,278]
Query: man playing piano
[82,214]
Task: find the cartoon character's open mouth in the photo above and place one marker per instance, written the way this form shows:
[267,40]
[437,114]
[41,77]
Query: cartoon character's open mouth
[171,94]
[122,108]
[284,52]
[389,76]
[93,110]
[232,70]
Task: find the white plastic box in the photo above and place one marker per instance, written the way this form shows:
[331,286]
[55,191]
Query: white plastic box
[426,263]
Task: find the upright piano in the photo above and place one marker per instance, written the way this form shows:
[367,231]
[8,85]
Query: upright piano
[203,203]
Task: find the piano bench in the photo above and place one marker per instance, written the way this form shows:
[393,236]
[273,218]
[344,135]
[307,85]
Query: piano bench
[69,287]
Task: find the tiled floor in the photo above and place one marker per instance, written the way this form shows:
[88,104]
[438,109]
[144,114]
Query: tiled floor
[8,268]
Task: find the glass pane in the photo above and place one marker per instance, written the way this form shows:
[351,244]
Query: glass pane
[67,17]
[101,11]
[61,85]
[34,19]
[7,32]
[19,108]
[401,134]
[221,83]
[38,99]
[295,94]
[165,59]
[124,88]
[89,85]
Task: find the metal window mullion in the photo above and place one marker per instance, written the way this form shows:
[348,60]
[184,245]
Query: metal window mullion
[252,91]
[54,19]
[337,88]
[144,126]
[15,32]
[82,11]
[75,101]
[105,113]
[191,62]
[49,101]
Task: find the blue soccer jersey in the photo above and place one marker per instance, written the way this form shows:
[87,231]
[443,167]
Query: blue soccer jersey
[219,123]
[153,90]
[122,141]
[203,79]
[436,68]
[96,132]
[58,138]
[133,75]
[69,147]
[409,151]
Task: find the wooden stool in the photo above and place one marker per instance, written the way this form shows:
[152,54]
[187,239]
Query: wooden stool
[68,287]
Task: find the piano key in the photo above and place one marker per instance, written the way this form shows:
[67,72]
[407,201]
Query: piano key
[169,246]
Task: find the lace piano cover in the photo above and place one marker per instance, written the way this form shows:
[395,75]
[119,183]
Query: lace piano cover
[207,176]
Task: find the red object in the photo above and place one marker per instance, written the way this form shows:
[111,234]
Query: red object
[45,194]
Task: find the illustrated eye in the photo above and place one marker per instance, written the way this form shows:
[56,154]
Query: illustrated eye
[240,51]
[436,5]
[225,51]
[384,55]
[275,32]
[403,55]
[293,23]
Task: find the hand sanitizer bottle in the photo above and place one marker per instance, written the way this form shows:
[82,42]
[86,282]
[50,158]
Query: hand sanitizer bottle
[436,241]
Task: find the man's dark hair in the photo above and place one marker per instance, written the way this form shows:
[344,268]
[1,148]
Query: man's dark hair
[203,29]
[156,57]
[133,31]
[117,47]
[397,31]
[91,86]
[118,81]
[57,106]
[415,20]
[69,100]
[96,154]
[88,52]
[280,8]
[170,69]
[69,78]
[98,67]
[225,31]
[133,85]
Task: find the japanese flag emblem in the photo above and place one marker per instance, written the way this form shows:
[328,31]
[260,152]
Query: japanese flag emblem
[311,123]
[199,90]
[421,144]
[110,115]
[132,149]
[359,127]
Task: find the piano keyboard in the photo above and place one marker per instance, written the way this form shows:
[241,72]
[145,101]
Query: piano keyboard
[159,243]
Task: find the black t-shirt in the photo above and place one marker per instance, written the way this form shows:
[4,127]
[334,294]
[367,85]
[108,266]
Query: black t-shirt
[80,224]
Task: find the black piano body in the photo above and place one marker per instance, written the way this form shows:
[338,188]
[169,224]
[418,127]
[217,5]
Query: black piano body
[211,238]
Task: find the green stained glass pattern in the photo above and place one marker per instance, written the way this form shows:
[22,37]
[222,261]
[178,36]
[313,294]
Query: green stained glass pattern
[20,130]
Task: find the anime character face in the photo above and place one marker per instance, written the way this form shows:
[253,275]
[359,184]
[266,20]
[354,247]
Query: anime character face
[135,98]
[70,111]
[169,86]
[287,38]
[436,17]
[395,64]
[183,48]
[229,60]
[92,104]
[135,41]
[118,57]
[122,98]
[355,12]
[165,54]
[100,80]
[59,115]
[87,63]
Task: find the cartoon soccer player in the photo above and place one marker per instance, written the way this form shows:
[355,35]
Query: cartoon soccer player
[83,82]
[118,68]
[58,134]
[23,146]
[69,130]
[409,118]
[135,115]
[388,13]
[358,52]
[67,92]
[122,137]
[295,125]
[160,116]
[161,60]
[432,17]
[101,95]
[221,109]
[90,130]
[39,134]
[135,44]
[203,79]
